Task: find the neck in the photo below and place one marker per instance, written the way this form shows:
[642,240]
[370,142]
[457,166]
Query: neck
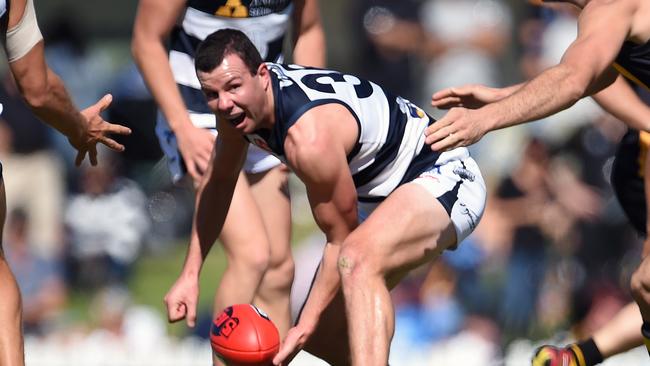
[269,110]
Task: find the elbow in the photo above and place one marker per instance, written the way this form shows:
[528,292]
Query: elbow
[36,97]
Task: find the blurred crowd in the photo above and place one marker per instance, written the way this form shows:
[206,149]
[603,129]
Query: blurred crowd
[551,258]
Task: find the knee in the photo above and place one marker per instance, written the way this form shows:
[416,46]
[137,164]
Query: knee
[357,260]
[281,272]
[640,283]
[257,261]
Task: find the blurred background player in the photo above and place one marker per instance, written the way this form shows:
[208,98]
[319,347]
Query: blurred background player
[256,241]
[46,95]
[604,57]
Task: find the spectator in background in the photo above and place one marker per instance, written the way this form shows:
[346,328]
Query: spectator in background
[39,278]
[107,223]
[389,37]
[471,37]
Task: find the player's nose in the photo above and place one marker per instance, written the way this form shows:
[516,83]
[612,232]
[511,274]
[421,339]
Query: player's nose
[225,104]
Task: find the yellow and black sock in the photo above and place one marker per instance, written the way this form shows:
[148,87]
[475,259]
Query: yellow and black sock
[587,353]
[645,330]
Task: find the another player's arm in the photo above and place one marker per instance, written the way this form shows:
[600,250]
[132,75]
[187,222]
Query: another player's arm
[318,157]
[603,26]
[153,23]
[212,203]
[45,93]
[309,37]
[620,100]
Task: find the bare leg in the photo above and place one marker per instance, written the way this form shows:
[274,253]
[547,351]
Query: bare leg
[621,333]
[408,229]
[11,334]
[270,189]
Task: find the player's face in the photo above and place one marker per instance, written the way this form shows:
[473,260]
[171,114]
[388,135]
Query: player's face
[235,95]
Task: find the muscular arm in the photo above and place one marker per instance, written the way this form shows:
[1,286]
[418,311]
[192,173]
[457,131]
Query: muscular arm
[602,28]
[309,38]
[332,196]
[213,197]
[620,100]
[153,23]
[45,93]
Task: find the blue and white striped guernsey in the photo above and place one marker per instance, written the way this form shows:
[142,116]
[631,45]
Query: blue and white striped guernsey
[390,148]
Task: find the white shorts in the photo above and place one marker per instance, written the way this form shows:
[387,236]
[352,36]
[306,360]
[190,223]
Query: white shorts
[257,160]
[456,183]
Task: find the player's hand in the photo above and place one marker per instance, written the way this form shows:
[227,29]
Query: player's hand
[96,130]
[195,145]
[293,343]
[459,127]
[468,96]
[181,300]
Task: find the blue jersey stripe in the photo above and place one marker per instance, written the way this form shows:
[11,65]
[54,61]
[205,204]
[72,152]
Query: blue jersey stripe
[388,151]
[194,99]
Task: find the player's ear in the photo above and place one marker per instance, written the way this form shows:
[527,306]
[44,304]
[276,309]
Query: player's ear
[263,72]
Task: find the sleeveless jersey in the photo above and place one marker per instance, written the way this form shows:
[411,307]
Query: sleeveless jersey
[628,176]
[390,148]
[633,62]
[265,22]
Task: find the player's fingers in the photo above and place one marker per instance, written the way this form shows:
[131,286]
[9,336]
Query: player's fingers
[191,170]
[443,144]
[81,155]
[112,144]
[92,155]
[446,103]
[116,129]
[104,102]
[191,314]
[175,310]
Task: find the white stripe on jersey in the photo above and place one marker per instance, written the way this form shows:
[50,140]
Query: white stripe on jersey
[261,30]
[183,66]
[377,113]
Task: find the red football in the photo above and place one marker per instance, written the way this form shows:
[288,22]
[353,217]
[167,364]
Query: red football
[243,335]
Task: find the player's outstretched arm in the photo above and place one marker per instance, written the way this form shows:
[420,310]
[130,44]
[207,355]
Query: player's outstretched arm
[470,96]
[620,100]
[212,203]
[602,28]
[309,37]
[46,95]
[332,196]
[153,23]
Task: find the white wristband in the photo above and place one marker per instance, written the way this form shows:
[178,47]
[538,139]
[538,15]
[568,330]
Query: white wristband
[25,35]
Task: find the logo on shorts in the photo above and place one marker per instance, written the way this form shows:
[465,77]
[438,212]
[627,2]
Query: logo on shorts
[471,216]
[464,174]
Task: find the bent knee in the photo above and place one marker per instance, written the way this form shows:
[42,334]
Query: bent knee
[358,259]
[256,262]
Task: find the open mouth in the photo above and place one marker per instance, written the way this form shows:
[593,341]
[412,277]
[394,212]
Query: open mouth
[237,120]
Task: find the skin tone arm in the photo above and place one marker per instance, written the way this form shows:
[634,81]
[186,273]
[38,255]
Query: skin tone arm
[332,196]
[309,38]
[154,21]
[212,203]
[585,69]
[620,100]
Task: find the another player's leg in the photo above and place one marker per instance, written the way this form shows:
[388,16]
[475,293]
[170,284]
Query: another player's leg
[271,193]
[618,335]
[11,335]
[247,250]
[409,228]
